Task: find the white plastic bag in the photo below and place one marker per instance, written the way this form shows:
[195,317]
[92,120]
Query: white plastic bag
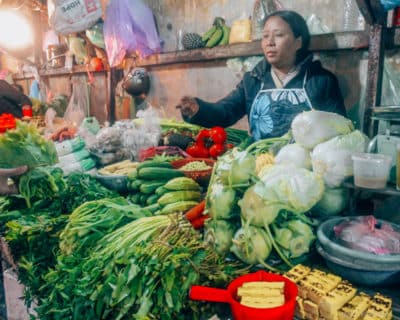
[332,159]
[68,16]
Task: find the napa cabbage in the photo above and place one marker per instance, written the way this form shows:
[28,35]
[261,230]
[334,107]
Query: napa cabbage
[313,127]
[294,154]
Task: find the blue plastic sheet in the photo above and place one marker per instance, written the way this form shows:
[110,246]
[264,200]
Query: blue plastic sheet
[390,4]
[129,27]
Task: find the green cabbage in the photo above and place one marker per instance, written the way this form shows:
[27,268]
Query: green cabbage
[219,234]
[221,201]
[252,245]
[236,168]
[333,202]
[282,187]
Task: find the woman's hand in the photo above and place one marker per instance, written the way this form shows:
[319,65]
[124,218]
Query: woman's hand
[5,187]
[188,106]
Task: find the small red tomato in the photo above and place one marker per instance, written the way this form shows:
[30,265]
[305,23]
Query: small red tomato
[217,150]
[96,63]
[218,135]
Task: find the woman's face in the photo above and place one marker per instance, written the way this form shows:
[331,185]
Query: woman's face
[279,44]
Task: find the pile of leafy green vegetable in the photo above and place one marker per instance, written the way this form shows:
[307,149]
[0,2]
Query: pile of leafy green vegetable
[41,183]
[25,146]
[142,270]
[33,233]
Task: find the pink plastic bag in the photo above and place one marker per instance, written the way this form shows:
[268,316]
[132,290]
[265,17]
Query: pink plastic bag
[366,234]
[129,27]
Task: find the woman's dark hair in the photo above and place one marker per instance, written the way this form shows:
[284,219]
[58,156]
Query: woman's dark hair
[299,28]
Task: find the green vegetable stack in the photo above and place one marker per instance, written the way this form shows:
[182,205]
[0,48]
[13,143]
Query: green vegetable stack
[161,188]
[217,35]
[254,216]
[25,146]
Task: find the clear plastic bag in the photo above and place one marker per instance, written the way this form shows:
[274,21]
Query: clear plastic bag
[78,106]
[146,135]
[261,9]
[129,27]
[366,234]
[95,35]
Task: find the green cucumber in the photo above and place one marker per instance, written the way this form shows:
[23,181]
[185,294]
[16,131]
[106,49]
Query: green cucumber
[178,196]
[153,173]
[176,207]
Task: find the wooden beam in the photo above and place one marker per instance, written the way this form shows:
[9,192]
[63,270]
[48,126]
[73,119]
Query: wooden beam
[374,77]
[322,42]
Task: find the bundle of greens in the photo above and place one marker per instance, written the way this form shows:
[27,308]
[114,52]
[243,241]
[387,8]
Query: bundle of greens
[142,270]
[33,233]
[93,220]
[25,146]
[41,183]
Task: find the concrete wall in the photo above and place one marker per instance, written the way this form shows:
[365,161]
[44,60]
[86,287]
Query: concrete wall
[213,80]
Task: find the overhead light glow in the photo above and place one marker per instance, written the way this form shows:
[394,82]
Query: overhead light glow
[15,31]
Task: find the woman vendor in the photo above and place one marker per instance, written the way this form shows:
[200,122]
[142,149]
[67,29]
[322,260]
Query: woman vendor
[13,100]
[285,83]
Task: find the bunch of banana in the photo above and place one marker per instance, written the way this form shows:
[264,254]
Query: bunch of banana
[217,35]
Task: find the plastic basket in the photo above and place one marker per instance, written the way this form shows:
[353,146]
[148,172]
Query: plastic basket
[201,176]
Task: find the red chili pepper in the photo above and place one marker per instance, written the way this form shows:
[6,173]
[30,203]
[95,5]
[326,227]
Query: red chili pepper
[199,222]
[196,211]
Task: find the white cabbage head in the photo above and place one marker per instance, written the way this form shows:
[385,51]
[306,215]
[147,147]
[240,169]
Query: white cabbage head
[310,128]
[294,154]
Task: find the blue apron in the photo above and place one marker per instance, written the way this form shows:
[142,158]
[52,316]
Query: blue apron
[273,110]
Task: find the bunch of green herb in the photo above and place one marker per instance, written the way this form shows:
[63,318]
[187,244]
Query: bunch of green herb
[41,183]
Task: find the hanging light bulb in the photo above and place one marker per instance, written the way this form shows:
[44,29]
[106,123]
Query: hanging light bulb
[15,31]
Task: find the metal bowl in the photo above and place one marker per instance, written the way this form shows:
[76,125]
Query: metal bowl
[358,275]
[359,259]
[356,266]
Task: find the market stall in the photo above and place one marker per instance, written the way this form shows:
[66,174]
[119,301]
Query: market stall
[111,208]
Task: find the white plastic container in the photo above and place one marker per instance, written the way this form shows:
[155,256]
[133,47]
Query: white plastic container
[371,170]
